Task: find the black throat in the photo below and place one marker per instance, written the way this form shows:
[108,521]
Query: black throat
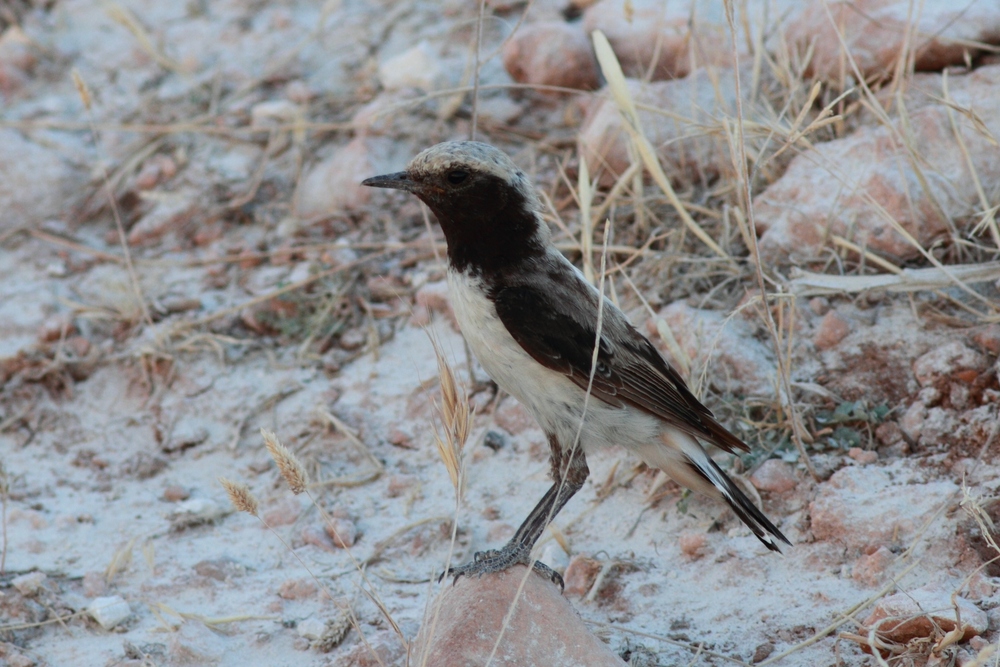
[489,228]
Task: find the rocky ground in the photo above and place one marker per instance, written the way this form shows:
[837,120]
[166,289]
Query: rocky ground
[804,220]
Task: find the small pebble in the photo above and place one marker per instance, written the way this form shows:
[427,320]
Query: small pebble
[693,544]
[109,611]
[580,574]
[317,538]
[494,440]
[297,589]
[29,584]
[343,532]
[762,652]
[862,456]
[400,438]
[173,494]
[311,628]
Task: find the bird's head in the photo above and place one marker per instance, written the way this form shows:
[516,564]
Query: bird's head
[486,205]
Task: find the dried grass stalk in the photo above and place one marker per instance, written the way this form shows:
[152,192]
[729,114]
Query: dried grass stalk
[612,71]
[240,496]
[293,471]
[457,420]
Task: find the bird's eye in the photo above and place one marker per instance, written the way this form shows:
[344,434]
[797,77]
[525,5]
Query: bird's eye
[457,176]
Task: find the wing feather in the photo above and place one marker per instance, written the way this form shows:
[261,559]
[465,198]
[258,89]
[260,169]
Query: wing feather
[560,335]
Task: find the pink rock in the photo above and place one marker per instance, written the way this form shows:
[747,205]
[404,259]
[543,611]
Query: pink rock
[862,456]
[693,544]
[913,420]
[465,621]
[297,589]
[551,53]
[580,574]
[343,532]
[677,134]
[831,330]
[876,177]
[171,211]
[924,612]
[889,433]
[774,476]
[947,361]
[876,31]
[861,506]
[400,438]
[657,36]
[333,185]
[283,513]
[869,569]
[317,537]
[173,494]
[988,338]
[737,362]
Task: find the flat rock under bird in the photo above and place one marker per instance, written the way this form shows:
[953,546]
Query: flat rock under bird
[531,319]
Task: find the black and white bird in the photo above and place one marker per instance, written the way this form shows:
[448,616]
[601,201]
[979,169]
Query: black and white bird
[531,319]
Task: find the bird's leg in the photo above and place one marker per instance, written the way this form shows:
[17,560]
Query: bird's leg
[570,472]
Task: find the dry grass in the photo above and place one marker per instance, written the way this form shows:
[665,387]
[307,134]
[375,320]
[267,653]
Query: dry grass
[294,474]
[702,251]
[456,418]
[4,499]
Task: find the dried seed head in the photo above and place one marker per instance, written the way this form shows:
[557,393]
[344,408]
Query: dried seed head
[454,405]
[240,496]
[81,89]
[290,468]
[457,418]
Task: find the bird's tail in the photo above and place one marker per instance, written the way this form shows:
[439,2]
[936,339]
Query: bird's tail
[744,508]
[684,460]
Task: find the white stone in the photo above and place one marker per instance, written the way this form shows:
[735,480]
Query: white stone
[109,611]
[275,112]
[29,584]
[418,67]
[311,628]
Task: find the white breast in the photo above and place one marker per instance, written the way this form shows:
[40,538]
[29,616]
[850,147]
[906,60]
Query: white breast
[551,398]
[506,362]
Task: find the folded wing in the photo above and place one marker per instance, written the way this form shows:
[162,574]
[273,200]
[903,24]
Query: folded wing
[560,334]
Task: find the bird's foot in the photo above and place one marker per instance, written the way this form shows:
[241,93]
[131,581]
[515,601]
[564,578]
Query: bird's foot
[498,560]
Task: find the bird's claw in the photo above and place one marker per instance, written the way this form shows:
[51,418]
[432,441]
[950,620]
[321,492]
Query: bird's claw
[499,560]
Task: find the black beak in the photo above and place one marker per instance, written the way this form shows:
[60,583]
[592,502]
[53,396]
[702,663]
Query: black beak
[398,181]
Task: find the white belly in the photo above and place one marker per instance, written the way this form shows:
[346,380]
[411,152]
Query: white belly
[553,400]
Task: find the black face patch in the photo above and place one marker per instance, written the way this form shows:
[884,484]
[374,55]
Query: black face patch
[488,223]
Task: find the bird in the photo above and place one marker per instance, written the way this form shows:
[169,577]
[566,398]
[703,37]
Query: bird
[545,335]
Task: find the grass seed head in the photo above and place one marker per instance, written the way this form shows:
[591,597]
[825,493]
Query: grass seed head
[240,496]
[457,418]
[293,471]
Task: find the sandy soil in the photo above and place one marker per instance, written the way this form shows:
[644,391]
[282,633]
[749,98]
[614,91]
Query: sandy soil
[118,415]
